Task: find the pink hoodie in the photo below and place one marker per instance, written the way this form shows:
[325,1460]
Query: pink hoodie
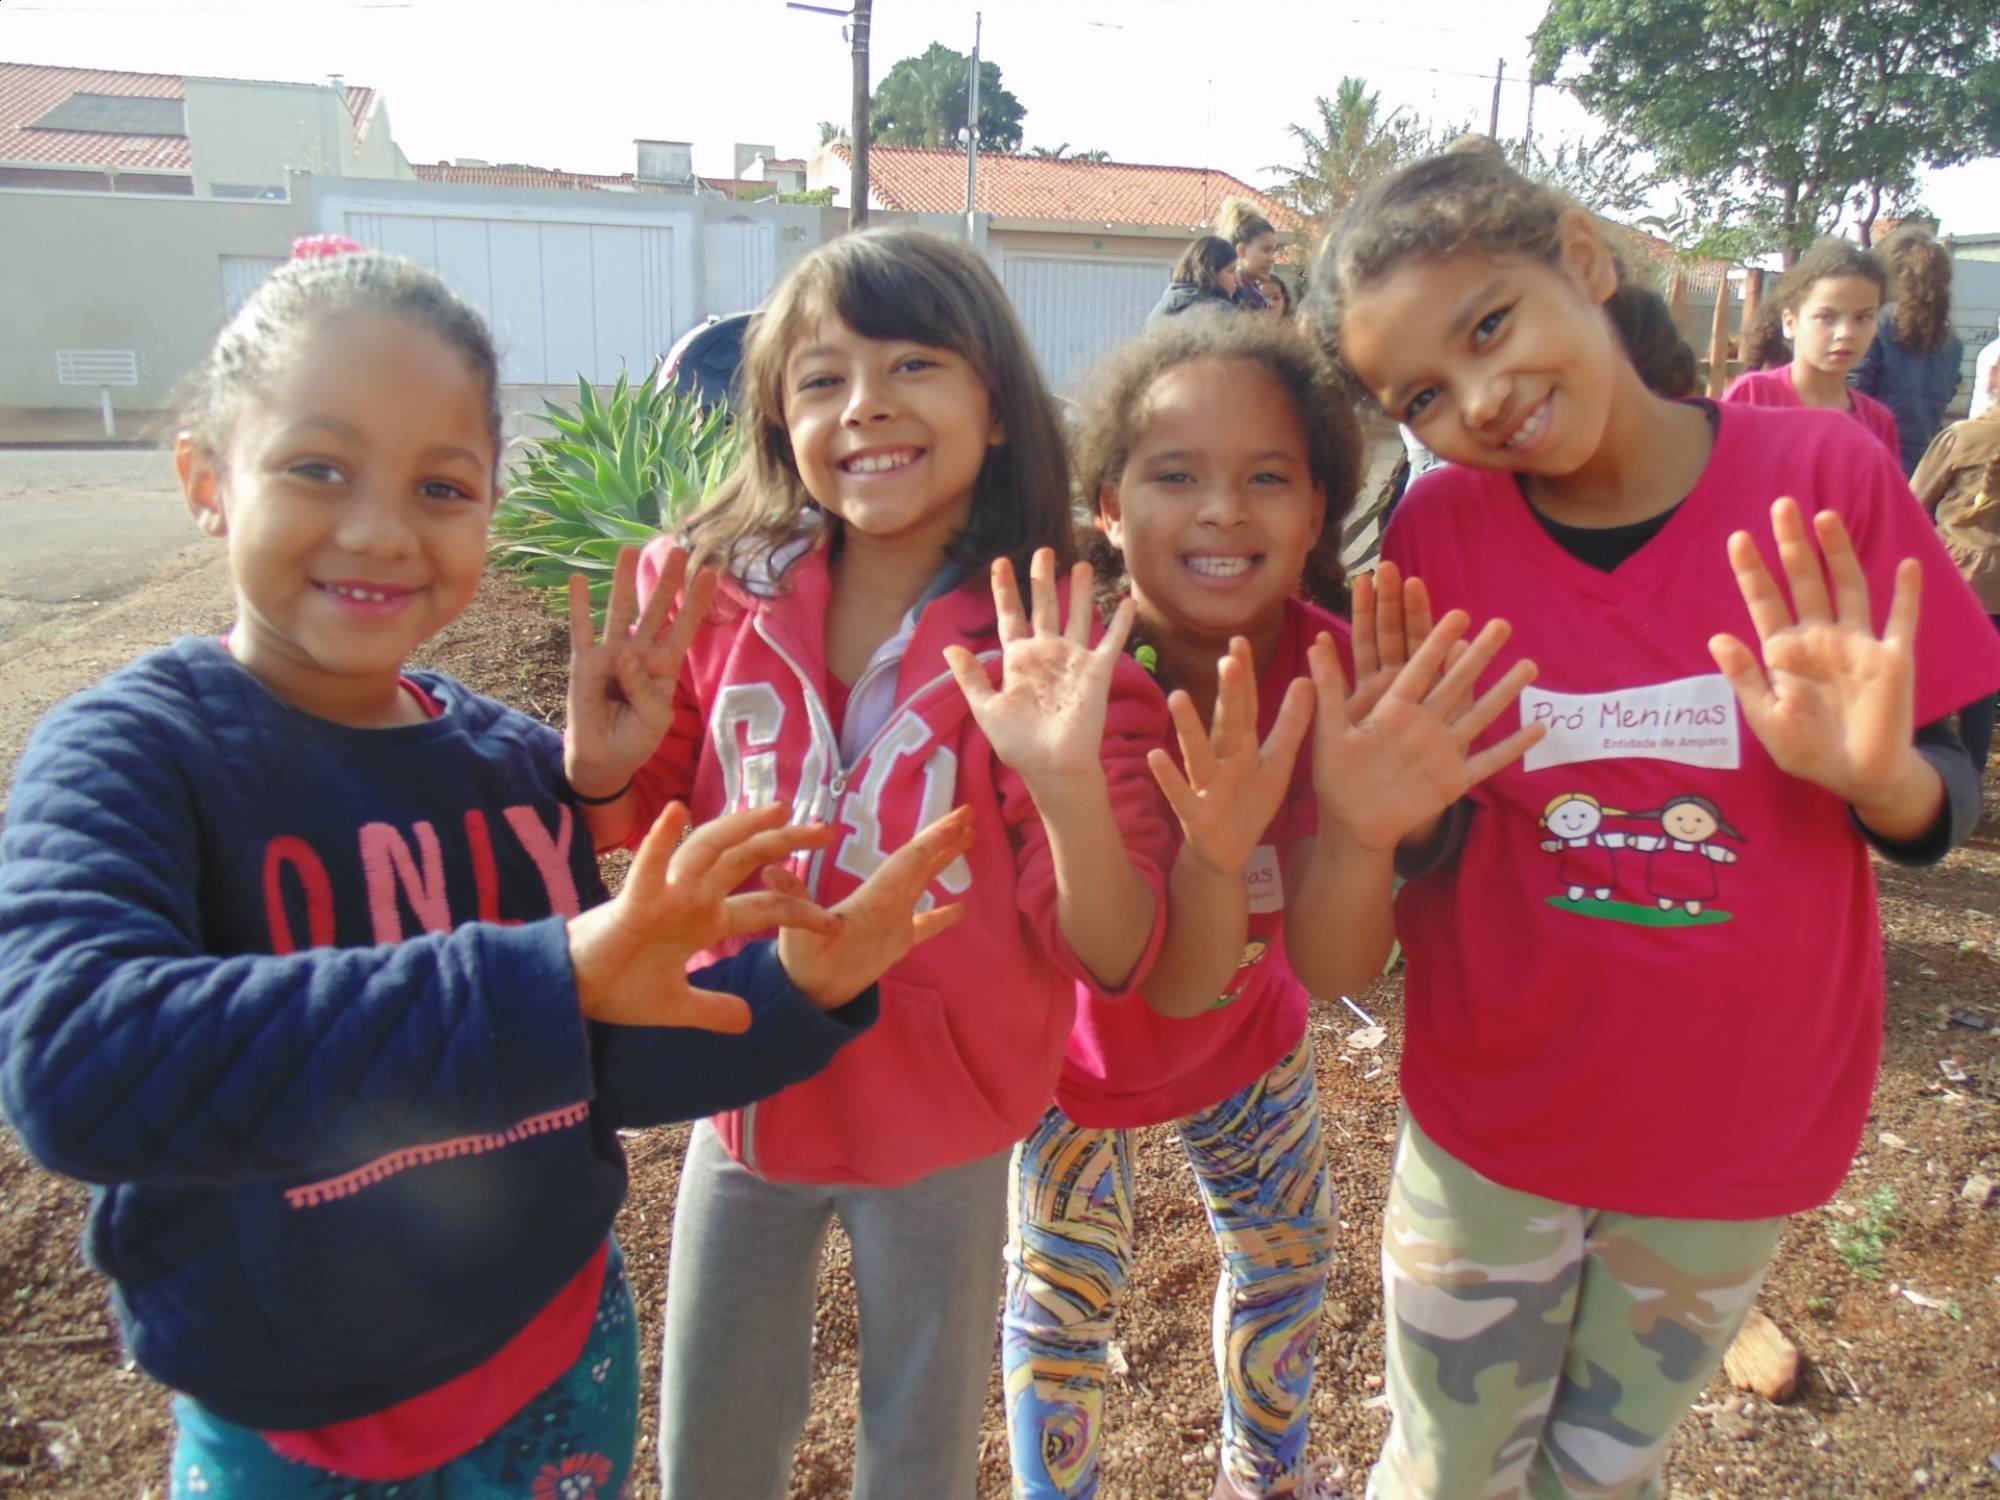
[965,1056]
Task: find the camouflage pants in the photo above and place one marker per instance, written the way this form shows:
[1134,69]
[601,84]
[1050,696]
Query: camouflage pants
[1539,1349]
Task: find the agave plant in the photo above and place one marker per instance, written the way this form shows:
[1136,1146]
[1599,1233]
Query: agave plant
[611,473]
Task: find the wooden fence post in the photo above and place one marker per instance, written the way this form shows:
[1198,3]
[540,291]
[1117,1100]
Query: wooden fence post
[1718,339]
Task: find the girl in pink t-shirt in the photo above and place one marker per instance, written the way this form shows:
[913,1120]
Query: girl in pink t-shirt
[1828,307]
[1219,460]
[1617,1087]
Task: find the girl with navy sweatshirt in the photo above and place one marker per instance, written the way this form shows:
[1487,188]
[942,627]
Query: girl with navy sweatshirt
[306,966]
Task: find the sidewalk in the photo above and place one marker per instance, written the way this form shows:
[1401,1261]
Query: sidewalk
[78,427]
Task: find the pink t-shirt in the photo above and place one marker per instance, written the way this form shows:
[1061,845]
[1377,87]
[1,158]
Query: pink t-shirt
[1652,980]
[1127,1065]
[1775,388]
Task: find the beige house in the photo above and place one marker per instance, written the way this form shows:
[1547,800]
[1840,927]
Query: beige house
[137,208]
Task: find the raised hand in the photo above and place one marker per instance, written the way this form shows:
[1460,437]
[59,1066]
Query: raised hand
[631,954]
[1384,774]
[621,688]
[878,923]
[1232,786]
[1832,703]
[1046,719]
[1391,617]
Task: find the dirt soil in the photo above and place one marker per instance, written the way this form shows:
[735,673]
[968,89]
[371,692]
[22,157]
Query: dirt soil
[1901,1332]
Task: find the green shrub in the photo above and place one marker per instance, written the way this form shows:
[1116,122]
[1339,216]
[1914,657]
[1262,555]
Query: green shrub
[610,474]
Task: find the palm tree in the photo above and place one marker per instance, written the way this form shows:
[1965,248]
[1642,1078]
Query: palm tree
[830,133]
[1090,156]
[1049,153]
[1354,144]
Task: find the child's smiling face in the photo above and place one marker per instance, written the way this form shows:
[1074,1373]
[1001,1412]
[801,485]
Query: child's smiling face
[1689,822]
[354,492]
[888,434]
[1574,819]
[1216,510]
[1496,362]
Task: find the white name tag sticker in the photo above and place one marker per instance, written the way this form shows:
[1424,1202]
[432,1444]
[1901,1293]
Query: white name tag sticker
[1263,882]
[1692,720]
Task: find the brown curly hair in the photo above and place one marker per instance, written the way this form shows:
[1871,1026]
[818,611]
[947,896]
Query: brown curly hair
[1116,413]
[1922,270]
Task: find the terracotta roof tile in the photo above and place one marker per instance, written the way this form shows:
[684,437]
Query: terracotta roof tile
[520,177]
[1038,187]
[30,90]
[27,92]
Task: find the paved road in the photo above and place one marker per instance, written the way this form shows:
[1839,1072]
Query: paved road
[80,529]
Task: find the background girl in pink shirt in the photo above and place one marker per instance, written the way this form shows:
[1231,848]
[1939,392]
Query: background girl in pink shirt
[1612,1104]
[867,656]
[1219,460]
[1829,306]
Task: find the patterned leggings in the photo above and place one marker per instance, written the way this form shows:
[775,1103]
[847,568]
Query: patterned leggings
[1537,1348]
[572,1442]
[1261,1167]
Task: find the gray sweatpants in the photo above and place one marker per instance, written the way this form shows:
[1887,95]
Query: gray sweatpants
[736,1370]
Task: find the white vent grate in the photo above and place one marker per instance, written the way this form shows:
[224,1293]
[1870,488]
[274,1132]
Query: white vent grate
[97,367]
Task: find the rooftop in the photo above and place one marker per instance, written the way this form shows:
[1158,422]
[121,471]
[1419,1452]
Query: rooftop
[1039,187]
[30,92]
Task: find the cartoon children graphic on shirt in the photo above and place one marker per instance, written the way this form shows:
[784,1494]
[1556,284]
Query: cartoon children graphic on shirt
[1585,863]
[1681,861]
[1253,950]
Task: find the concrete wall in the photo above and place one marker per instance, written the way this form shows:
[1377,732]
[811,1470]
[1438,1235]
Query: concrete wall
[248,134]
[104,271]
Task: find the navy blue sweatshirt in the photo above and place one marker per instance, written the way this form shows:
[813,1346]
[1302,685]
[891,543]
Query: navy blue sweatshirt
[297,999]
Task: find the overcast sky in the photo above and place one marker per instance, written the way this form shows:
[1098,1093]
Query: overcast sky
[570,83]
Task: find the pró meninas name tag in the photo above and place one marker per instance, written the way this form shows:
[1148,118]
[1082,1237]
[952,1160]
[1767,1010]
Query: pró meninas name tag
[1264,880]
[1692,720]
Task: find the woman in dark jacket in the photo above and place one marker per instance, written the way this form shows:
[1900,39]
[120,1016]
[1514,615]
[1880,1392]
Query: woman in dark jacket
[1914,367]
[1204,276]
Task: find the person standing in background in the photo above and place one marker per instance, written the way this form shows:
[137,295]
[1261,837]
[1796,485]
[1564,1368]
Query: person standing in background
[1255,240]
[1984,376]
[1914,367]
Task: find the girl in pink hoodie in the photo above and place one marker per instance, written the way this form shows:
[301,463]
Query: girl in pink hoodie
[856,662]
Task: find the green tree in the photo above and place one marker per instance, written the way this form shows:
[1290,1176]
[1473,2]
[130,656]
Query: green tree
[1350,145]
[830,133]
[1605,175]
[1063,153]
[1778,117]
[921,101]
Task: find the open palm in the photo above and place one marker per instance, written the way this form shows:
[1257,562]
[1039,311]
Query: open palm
[1046,719]
[879,922]
[1831,701]
[1386,773]
[1228,787]
[621,688]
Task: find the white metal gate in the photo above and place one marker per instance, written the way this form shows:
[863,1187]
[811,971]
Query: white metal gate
[741,263]
[1077,308]
[562,299]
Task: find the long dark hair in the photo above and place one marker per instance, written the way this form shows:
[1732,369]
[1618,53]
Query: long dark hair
[1204,260]
[1113,418]
[895,284]
[1472,200]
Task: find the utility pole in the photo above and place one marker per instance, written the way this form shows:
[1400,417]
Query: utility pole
[972,138]
[1493,121]
[1528,131]
[857,130]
